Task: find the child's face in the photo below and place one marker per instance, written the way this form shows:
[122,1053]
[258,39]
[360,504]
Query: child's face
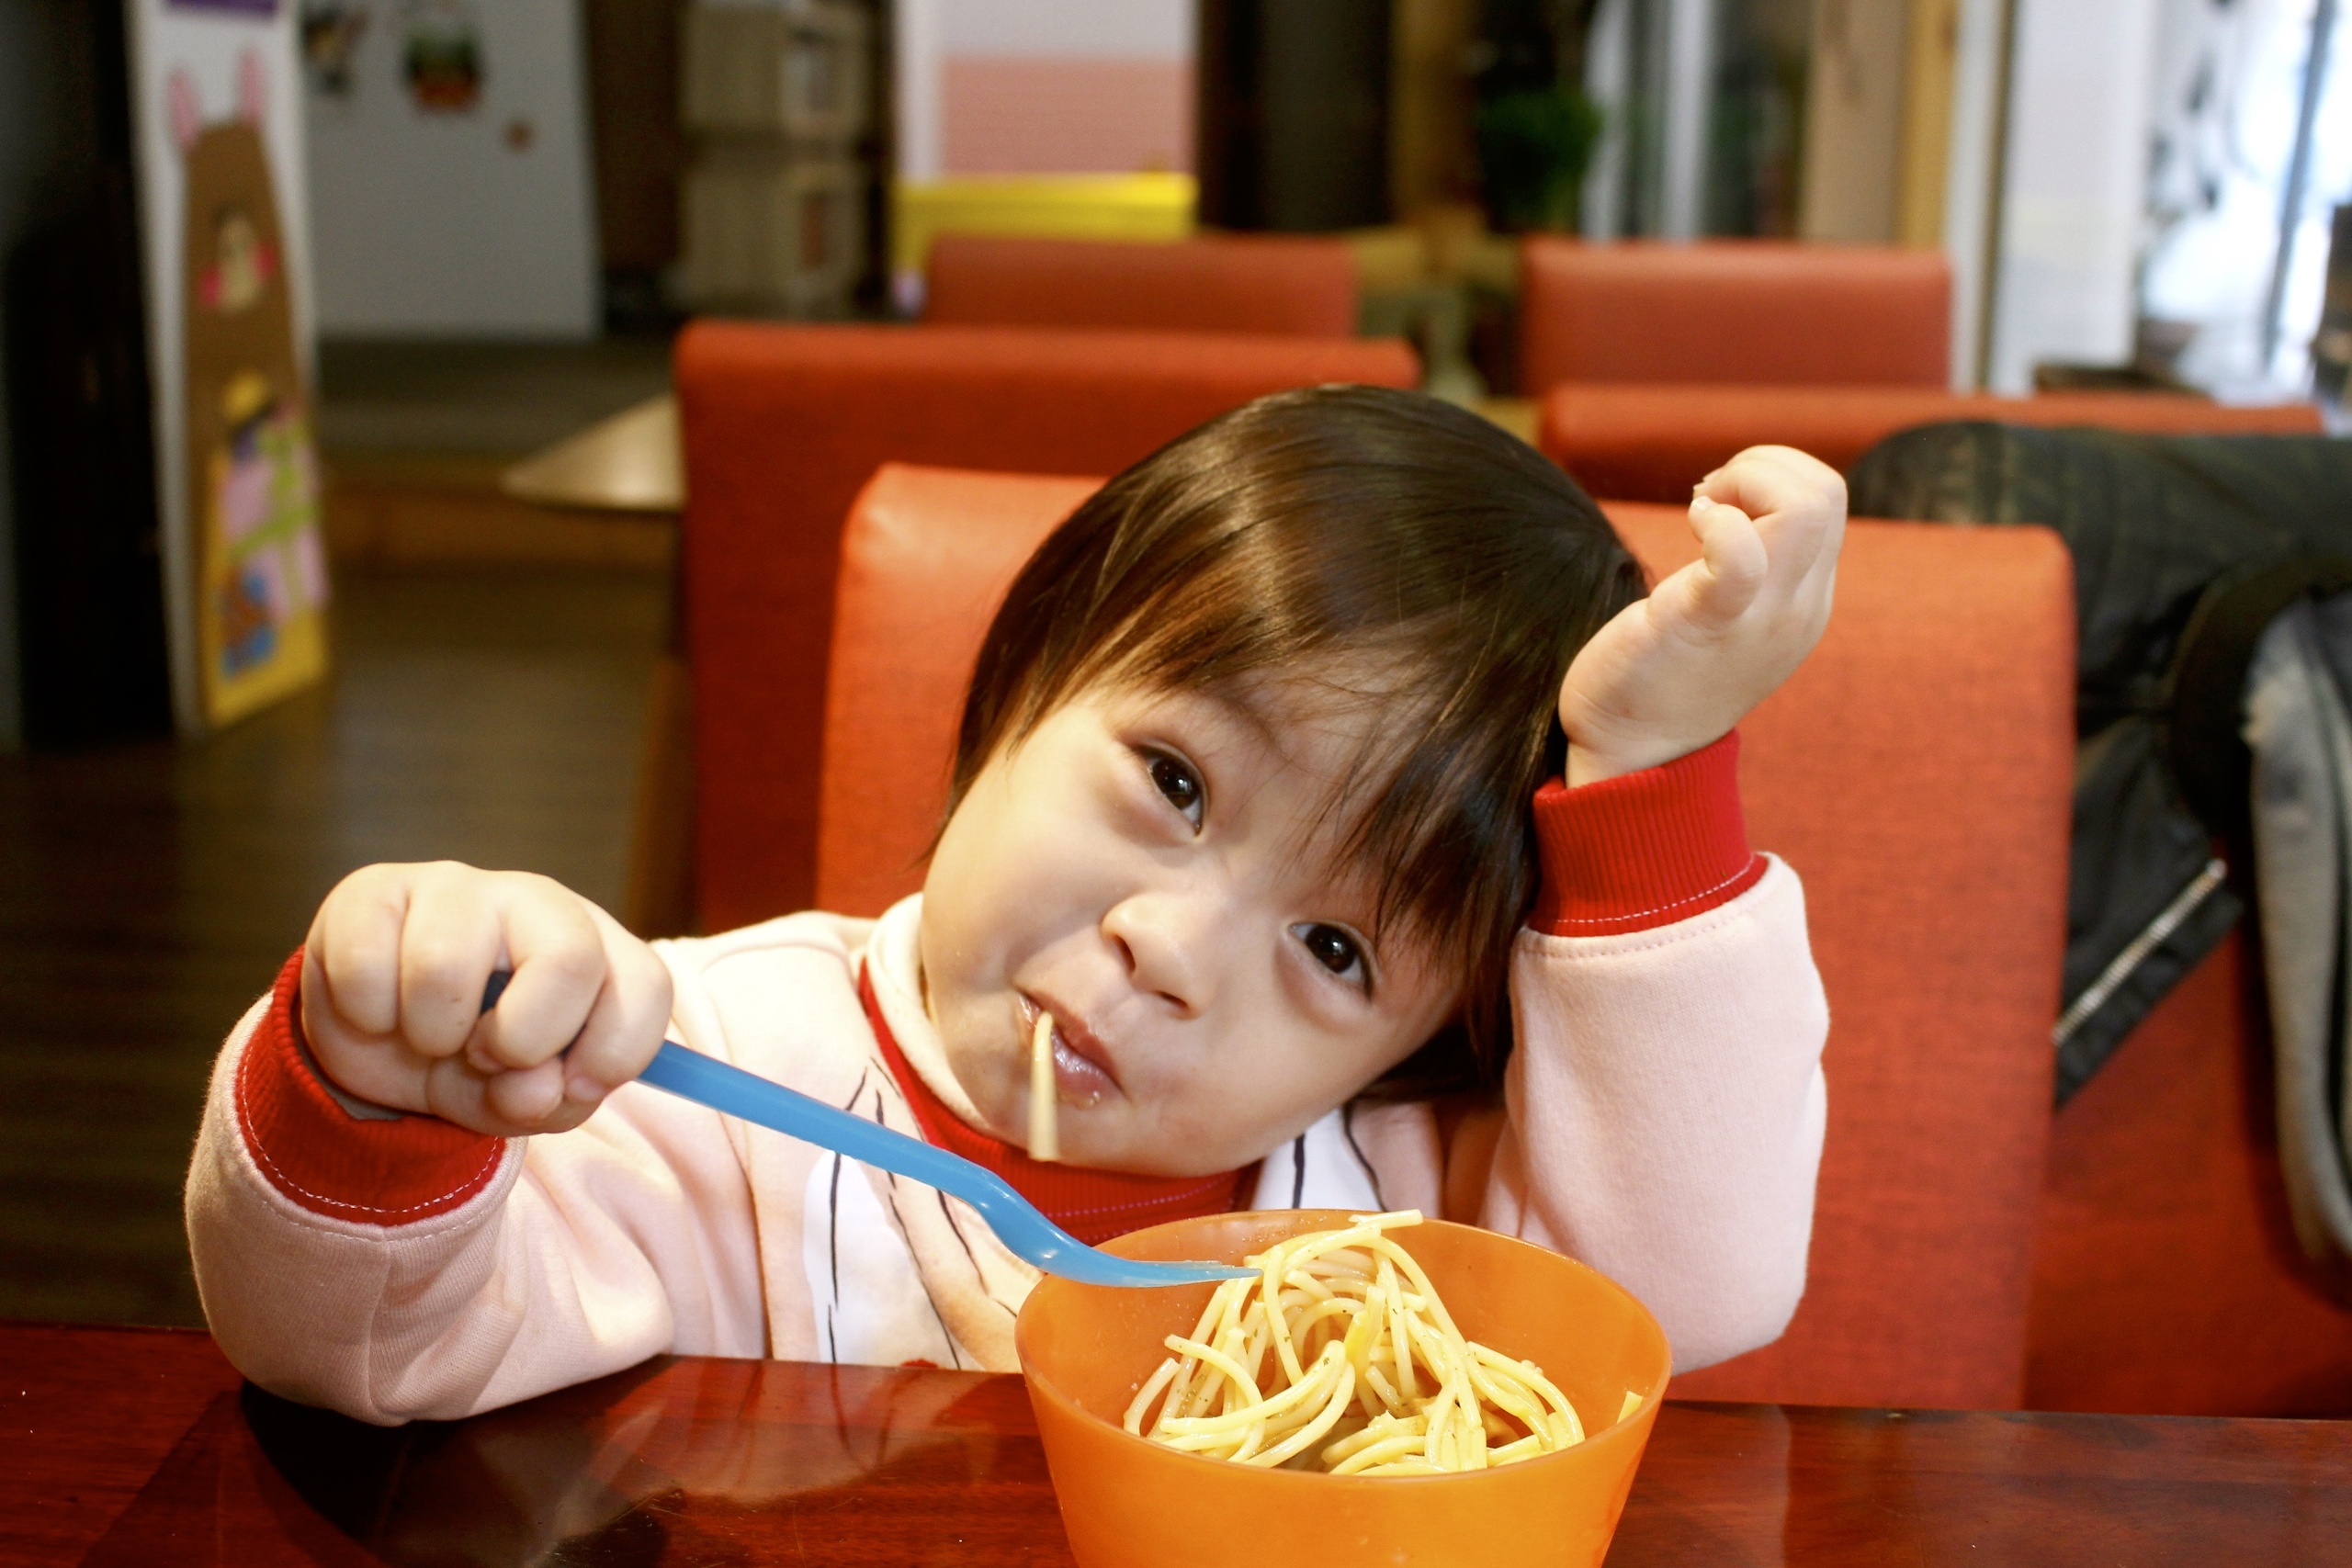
[1151,869]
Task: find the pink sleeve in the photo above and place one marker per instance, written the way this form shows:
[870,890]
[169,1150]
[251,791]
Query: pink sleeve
[399,1267]
[1665,1104]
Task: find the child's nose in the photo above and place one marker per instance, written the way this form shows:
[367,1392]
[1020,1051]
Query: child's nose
[1159,940]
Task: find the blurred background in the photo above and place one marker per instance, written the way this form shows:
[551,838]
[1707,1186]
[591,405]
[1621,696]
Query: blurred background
[387,289]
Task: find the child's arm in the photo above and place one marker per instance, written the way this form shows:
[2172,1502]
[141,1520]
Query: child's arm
[1665,1104]
[1676,671]
[1664,1107]
[354,1253]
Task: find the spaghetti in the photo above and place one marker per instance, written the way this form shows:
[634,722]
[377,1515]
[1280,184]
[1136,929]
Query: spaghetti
[1366,1373]
[1044,1134]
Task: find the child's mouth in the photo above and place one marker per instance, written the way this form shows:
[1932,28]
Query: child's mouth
[1082,1075]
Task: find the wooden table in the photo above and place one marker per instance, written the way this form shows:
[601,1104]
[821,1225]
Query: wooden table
[141,1447]
[631,462]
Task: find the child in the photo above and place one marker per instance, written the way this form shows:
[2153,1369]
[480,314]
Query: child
[1251,798]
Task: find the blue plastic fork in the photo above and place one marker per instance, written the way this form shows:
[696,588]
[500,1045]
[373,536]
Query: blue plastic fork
[707,1081]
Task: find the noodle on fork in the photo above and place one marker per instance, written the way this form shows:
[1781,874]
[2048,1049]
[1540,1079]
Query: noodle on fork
[1338,1356]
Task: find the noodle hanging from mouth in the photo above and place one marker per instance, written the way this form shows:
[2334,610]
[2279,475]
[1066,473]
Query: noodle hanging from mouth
[1044,1133]
[1367,1373]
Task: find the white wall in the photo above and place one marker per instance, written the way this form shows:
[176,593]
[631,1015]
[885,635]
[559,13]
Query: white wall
[1119,29]
[2328,183]
[921,35]
[2080,103]
[436,223]
[2229,93]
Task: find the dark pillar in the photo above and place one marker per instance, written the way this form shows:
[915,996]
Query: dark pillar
[1294,113]
[79,469]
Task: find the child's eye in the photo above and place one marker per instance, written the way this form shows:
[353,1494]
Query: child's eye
[1334,949]
[1174,778]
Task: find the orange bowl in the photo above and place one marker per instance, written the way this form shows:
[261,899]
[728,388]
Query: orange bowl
[1085,1350]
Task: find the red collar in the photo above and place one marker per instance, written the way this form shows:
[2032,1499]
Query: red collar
[1092,1205]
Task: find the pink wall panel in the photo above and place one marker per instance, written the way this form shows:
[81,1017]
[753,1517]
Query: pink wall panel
[1013,115]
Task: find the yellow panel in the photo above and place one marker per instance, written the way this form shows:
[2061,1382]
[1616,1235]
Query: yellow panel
[301,662]
[1068,207]
[1930,57]
[262,583]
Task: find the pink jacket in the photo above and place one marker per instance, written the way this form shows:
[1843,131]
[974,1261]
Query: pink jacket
[1662,1120]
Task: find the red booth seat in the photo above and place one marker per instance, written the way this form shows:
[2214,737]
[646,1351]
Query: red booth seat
[1290,286]
[783,425]
[1932,838]
[1737,311]
[2167,1277]
[1654,442]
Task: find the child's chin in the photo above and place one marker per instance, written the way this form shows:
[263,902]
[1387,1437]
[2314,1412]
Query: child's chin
[1147,1158]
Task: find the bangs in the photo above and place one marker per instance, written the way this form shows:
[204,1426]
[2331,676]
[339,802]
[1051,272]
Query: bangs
[1376,547]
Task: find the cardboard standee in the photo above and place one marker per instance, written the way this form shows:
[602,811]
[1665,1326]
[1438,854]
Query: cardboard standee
[261,583]
[226,264]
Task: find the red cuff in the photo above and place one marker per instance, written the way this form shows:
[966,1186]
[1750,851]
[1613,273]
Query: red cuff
[330,1162]
[1644,850]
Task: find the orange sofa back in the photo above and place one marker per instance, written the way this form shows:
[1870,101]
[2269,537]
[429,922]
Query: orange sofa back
[926,557]
[1739,311]
[783,425]
[1285,285]
[1931,835]
[1654,442]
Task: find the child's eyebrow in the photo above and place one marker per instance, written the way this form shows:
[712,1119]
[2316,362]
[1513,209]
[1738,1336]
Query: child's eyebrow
[1235,703]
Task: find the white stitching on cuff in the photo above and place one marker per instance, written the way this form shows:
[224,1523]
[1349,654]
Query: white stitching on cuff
[1643,914]
[262,1156]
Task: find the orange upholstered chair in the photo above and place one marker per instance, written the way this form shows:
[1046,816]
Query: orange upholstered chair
[1290,285]
[2168,1279]
[1753,312]
[1638,442]
[2163,1231]
[1932,838]
[927,555]
[781,427]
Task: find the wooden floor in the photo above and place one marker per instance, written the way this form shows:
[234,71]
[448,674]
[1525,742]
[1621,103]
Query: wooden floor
[148,895]
[450,398]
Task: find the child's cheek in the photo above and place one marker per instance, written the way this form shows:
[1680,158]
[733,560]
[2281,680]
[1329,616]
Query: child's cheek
[1020,864]
[1064,848]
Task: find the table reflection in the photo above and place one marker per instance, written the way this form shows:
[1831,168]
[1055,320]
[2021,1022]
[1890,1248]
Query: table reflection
[709,1463]
[695,1462]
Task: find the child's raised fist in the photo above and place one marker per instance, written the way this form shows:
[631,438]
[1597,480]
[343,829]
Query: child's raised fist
[392,982]
[1678,670]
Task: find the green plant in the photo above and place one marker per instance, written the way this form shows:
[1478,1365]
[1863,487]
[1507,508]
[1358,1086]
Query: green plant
[1534,150]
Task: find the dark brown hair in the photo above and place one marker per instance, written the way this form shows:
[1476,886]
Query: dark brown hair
[1355,528]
